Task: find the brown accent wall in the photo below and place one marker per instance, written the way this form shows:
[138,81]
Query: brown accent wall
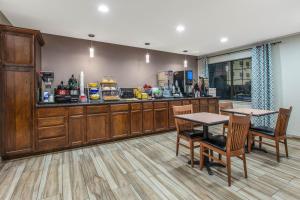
[65,56]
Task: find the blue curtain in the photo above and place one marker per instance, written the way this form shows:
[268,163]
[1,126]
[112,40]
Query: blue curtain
[262,83]
[205,61]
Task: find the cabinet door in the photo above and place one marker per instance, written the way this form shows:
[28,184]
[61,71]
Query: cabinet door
[148,123]
[120,124]
[77,130]
[18,112]
[97,127]
[203,105]
[196,107]
[136,122]
[18,49]
[161,119]
[213,106]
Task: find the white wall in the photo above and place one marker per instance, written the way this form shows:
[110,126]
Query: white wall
[286,71]
[286,61]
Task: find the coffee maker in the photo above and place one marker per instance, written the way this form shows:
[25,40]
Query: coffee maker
[47,90]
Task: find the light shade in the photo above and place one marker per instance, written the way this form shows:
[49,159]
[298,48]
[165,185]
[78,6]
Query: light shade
[92,52]
[147,58]
[185,63]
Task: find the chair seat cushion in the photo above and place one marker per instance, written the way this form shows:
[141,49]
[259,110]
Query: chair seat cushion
[263,129]
[218,141]
[193,134]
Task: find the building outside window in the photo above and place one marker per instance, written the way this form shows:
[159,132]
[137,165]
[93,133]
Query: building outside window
[231,79]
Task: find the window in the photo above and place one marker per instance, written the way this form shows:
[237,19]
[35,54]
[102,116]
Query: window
[231,79]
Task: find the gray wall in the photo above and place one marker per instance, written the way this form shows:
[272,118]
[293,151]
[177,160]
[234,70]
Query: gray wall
[3,19]
[66,56]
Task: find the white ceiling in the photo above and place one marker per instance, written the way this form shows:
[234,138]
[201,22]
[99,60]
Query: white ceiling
[134,22]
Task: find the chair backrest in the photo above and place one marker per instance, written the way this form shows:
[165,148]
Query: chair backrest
[183,125]
[225,105]
[237,132]
[282,121]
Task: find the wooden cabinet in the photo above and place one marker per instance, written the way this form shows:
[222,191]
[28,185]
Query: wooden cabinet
[120,120]
[17,110]
[136,119]
[213,106]
[148,117]
[18,49]
[186,102]
[196,105]
[17,89]
[171,115]
[97,123]
[77,126]
[161,118]
[203,105]
[52,129]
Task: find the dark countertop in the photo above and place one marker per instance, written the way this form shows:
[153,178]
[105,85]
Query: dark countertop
[122,101]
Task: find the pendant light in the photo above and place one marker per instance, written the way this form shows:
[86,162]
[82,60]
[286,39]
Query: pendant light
[147,54]
[92,50]
[185,62]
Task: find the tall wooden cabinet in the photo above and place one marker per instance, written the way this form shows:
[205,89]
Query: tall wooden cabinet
[19,61]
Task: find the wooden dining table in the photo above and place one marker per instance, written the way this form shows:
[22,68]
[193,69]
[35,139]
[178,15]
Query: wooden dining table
[206,119]
[254,112]
[248,111]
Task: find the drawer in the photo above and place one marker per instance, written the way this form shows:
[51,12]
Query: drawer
[96,109]
[52,144]
[76,110]
[51,121]
[203,101]
[212,101]
[174,103]
[136,106]
[51,132]
[186,102]
[195,101]
[51,112]
[119,107]
[147,106]
[160,105]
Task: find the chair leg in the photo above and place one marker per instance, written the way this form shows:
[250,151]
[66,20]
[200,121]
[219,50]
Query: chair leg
[201,157]
[245,166]
[277,150]
[177,145]
[211,153]
[286,148]
[260,140]
[192,152]
[250,137]
[228,164]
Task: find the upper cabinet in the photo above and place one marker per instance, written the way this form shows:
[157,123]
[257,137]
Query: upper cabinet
[19,46]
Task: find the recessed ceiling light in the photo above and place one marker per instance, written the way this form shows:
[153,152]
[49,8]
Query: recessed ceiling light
[180,28]
[103,8]
[224,40]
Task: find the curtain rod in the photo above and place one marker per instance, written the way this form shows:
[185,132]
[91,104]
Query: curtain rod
[237,51]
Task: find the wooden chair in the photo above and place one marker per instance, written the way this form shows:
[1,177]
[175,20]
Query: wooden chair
[225,105]
[278,134]
[231,146]
[185,130]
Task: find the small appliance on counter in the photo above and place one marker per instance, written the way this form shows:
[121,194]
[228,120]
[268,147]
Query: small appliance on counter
[109,89]
[73,89]
[127,93]
[46,87]
[62,93]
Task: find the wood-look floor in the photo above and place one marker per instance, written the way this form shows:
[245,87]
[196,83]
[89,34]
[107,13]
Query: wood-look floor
[146,168]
